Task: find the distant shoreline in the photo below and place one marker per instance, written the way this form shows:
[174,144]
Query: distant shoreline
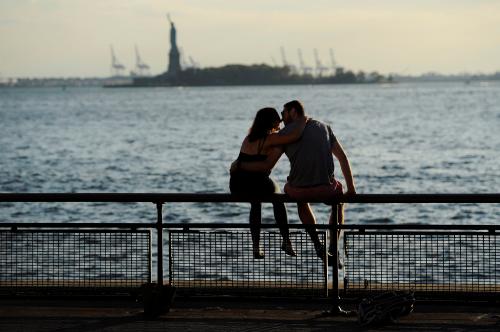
[105,83]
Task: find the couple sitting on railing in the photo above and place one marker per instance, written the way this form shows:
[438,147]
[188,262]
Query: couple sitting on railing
[309,145]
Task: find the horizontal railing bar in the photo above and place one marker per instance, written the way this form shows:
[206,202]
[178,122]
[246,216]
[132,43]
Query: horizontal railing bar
[426,232]
[73,231]
[246,225]
[228,198]
[326,226]
[420,226]
[74,225]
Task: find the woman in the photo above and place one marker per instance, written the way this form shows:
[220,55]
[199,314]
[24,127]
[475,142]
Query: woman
[262,143]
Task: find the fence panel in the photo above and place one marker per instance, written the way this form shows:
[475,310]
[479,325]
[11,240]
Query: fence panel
[221,262]
[62,259]
[438,263]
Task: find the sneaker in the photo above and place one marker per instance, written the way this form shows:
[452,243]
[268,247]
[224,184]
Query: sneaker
[320,251]
[286,246]
[340,264]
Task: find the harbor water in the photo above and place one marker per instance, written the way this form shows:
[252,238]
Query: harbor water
[400,138]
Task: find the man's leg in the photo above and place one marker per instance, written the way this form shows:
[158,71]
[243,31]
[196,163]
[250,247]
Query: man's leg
[340,219]
[282,221]
[307,217]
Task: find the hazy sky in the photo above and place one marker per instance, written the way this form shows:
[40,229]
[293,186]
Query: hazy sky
[72,37]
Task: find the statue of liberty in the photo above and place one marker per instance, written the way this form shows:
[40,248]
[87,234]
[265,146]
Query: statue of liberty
[174,66]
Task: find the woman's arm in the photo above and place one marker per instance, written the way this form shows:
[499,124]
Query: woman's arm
[283,139]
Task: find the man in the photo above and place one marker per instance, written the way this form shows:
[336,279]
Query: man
[311,168]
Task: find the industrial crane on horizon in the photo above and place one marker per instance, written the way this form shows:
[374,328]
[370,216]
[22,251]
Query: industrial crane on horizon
[293,68]
[333,63]
[320,69]
[275,64]
[187,61]
[194,64]
[141,68]
[306,70]
[117,69]
[182,58]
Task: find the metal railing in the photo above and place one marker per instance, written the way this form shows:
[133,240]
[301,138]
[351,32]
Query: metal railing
[220,261]
[434,261]
[50,260]
[368,266]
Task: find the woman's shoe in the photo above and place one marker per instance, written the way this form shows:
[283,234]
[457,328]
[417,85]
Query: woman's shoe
[286,246]
[258,253]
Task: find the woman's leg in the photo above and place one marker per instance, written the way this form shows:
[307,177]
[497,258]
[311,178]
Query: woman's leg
[255,222]
[243,185]
[281,217]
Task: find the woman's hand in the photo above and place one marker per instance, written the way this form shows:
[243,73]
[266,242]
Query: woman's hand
[275,139]
[234,166]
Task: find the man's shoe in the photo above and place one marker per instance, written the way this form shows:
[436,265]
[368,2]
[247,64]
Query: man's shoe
[340,264]
[321,252]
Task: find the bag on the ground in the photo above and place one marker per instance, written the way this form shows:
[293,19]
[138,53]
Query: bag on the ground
[385,308]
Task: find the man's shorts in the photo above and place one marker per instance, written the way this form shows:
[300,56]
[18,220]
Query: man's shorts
[322,192]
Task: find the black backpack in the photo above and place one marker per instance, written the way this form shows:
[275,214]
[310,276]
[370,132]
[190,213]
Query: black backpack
[385,308]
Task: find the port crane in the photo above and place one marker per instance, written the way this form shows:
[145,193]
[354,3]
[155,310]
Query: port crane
[187,61]
[141,68]
[333,63]
[306,70]
[275,64]
[117,69]
[184,63]
[283,56]
[194,64]
[320,69]
[293,68]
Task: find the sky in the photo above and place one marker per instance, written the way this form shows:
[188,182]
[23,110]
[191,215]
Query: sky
[72,38]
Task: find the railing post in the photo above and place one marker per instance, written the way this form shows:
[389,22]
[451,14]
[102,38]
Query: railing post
[159,244]
[335,254]
[334,234]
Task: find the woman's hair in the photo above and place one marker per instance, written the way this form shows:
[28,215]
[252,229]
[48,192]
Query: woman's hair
[263,123]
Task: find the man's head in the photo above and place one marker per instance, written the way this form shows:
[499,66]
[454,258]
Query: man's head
[292,111]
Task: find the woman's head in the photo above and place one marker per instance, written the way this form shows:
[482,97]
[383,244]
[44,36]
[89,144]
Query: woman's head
[265,121]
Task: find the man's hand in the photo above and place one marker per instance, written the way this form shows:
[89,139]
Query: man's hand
[350,192]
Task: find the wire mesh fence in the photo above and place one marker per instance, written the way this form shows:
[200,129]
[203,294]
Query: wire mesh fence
[74,259]
[222,262]
[438,263]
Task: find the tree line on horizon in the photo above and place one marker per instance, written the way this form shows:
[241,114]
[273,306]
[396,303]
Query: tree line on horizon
[264,74]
